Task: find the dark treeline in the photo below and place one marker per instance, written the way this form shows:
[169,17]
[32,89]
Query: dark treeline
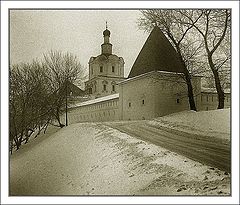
[38,93]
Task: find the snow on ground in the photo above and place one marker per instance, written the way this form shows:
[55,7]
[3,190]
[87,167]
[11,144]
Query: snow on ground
[93,159]
[209,123]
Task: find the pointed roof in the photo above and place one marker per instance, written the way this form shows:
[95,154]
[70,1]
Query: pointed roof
[157,54]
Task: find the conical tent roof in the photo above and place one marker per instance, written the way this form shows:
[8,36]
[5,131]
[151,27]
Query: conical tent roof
[157,54]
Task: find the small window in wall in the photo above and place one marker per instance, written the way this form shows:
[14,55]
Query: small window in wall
[101,69]
[178,100]
[143,102]
[129,104]
[104,87]
[113,69]
[90,90]
[113,88]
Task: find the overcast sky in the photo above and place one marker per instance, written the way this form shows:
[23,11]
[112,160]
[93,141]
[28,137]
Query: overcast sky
[34,32]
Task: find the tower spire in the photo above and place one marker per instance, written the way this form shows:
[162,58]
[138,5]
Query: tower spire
[106,25]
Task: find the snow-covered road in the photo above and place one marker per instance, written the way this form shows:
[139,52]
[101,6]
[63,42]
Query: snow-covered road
[208,150]
[93,159]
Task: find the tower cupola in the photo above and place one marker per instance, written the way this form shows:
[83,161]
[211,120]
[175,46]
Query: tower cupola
[106,46]
[106,33]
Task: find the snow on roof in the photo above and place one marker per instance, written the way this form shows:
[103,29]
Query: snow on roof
[150,72]
[213,90]
[97,100]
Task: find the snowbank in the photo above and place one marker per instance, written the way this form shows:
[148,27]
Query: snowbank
[210,123]
[93,159]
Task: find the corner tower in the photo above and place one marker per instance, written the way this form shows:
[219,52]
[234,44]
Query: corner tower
[105,70]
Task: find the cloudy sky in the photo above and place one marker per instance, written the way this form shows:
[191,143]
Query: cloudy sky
[34,32]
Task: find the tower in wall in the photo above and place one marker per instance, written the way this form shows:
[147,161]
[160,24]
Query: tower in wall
[105,70]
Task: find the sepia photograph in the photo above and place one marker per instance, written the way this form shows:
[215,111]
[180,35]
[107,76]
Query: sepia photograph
[120,102]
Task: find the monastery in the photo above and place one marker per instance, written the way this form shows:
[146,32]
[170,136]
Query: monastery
[154,87]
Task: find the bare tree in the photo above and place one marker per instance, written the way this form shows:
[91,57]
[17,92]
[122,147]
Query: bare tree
[214,27]
[168,21]
[26,101]
[61,69]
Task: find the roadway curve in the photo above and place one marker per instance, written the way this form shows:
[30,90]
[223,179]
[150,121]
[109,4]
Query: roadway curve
[207,150]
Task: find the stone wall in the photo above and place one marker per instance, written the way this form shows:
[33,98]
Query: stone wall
[106,110]
[209,101]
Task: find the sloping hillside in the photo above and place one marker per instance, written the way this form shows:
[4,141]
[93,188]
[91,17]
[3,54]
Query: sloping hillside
[94,159]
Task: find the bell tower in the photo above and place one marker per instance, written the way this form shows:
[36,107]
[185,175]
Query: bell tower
[105,70]
[106,46]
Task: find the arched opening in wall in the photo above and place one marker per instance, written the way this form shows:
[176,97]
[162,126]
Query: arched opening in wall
[129,104]
[101,69]
[143,102]
[113,69]
[178,101]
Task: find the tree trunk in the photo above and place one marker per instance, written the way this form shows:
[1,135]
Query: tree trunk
[188,82]
[17,143]
[46,126]
[218,86]
[58,119]
[28,135]
[11,147]
[190,92]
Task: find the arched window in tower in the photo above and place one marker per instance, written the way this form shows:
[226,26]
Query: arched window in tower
[113,69]
[101,69]
[113,88]
[104,87]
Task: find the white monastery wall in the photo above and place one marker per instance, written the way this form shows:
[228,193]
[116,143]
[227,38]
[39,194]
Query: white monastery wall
[209,101]
[97,110]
